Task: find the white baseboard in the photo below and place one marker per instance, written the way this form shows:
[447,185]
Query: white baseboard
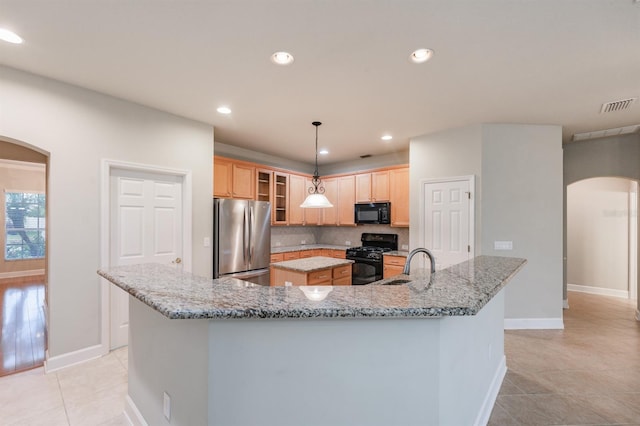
[18,274]
[565,304]
[490,398]
[132,414]
[533,324]
[72,358]
[623,294]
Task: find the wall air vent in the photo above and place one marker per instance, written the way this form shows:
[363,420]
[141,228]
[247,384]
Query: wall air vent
[608,132]
[618,105]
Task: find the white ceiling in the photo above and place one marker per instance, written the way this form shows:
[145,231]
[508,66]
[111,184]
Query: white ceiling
[498,61]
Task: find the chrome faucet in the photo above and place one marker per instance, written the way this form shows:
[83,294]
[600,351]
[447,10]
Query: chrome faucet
[413,253]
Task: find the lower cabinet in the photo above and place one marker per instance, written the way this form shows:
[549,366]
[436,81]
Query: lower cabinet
[393,265]
[342,275]
[302,254]
[310,253]
[277,257]
[339,275]
[291,255]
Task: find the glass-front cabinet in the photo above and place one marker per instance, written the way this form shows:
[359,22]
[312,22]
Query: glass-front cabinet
[279,205]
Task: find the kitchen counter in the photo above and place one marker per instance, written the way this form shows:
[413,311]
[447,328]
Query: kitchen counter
[459,290]
[396,253]
[428,352]
[310,264]
[303,247]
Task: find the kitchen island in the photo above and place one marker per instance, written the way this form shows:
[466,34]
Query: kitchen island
[317,270]
[228,352]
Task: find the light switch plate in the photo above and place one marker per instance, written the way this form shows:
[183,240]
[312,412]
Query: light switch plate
[207,242]
[503,245]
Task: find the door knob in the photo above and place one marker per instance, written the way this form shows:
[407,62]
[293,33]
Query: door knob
[177,261]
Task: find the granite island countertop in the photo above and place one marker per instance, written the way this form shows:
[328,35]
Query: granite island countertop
[459,290]
[311,264]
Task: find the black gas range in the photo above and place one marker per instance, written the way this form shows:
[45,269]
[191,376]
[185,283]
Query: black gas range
[368,263]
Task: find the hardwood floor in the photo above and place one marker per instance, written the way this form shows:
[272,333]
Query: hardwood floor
[22,332]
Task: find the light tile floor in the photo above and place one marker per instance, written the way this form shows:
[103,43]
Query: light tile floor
[88,394]
[586,374]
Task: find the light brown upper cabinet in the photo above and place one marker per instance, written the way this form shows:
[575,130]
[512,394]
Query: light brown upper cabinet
[222,177]
[399,191]
[233,179]
[264,187]
[297,194]
[279,209]
[330,214]
[346,200]
[372,187]
[287,190]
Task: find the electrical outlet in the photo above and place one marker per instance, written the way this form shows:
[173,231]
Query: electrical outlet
[503,245]
[303,242]
[207,242]
[405,247]
[278,243]
[288,284]
[166,406]
[347,243]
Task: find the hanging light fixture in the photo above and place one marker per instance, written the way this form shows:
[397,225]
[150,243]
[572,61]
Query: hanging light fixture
[316,198]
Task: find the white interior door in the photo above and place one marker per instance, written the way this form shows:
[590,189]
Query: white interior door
[448,220]
[146,226]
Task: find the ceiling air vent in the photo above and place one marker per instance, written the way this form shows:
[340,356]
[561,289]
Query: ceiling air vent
[618,105]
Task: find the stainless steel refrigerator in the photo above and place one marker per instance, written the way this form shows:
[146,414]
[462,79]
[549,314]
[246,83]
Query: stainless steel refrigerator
[242,239]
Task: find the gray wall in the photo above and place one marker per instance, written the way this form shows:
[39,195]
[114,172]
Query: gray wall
[78,128]
[518,197]
[456,152]
[522,202]
[613,156]
[616,156]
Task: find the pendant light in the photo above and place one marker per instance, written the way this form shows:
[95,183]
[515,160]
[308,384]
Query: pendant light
[316,198]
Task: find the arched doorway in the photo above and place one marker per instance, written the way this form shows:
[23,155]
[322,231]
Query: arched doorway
[23,264]
[601,236]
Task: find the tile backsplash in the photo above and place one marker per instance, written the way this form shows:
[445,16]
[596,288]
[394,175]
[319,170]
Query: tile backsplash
[283,236]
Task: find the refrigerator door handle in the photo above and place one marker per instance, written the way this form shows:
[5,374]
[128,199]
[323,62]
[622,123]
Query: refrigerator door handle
[244,236]
[250,246]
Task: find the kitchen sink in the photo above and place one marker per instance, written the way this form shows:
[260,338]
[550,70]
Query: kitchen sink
[397,282]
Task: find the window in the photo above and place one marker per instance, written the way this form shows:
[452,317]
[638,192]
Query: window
[24,225]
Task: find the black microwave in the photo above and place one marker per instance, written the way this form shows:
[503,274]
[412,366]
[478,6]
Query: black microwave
[373,213]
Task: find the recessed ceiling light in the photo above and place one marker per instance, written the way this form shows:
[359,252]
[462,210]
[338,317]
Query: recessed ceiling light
[421,55]
[323,152]
[10,36]
[224,110]
[282,58]
[386,137]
